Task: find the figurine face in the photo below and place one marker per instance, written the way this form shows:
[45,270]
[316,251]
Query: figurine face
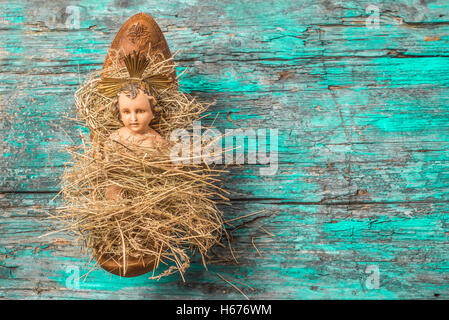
[136,114]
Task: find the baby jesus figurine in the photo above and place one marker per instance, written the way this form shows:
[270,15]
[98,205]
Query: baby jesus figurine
[135,108]
[129,203]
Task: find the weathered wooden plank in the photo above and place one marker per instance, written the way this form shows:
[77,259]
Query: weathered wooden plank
[363,121]
[318,251]
[386,146]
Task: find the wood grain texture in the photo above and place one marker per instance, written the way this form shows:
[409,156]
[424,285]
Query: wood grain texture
[362,113]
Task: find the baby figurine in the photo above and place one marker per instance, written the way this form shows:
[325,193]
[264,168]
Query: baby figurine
[135,108]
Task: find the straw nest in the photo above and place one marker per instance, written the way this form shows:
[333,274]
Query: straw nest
[166,210]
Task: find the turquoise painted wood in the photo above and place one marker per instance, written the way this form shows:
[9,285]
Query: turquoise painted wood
[363,178]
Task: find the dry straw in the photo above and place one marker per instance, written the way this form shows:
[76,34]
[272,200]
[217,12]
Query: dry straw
[167,210]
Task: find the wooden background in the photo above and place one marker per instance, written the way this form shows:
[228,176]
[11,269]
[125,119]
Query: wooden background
[363,178]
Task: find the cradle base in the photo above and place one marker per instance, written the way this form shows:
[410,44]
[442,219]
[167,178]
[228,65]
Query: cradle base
[134,266]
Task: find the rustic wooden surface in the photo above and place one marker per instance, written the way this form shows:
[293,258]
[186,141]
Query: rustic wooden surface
[363,178]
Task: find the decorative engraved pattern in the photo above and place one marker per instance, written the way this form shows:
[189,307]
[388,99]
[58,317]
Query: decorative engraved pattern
[138,34]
